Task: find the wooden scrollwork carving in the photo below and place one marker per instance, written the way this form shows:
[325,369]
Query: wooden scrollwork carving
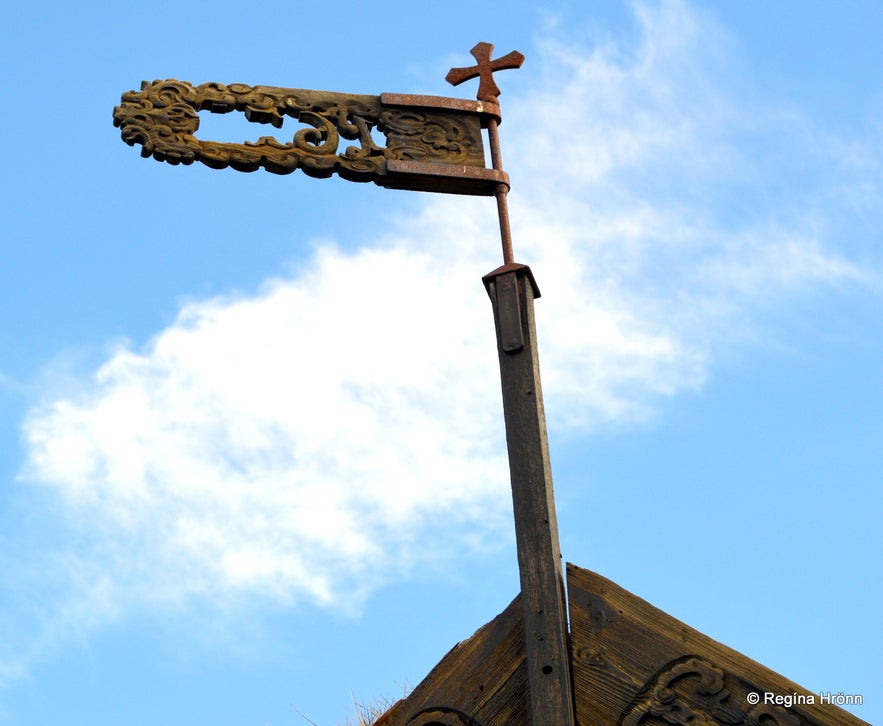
[426,137]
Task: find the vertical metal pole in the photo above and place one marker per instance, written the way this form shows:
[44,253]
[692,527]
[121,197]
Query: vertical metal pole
[502,190]
[512,290]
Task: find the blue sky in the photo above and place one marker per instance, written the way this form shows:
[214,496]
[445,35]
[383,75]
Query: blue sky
[238,482]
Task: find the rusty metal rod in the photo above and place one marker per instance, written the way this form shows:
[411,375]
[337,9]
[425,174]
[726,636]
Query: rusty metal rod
[500,193]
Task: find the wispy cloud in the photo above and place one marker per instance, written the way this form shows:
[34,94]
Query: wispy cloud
[291,443]
[295,444]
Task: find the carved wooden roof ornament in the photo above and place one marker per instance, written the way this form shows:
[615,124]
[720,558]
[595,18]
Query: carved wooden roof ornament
[622,662]
[432,143]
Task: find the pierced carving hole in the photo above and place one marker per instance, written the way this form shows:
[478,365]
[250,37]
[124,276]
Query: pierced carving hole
[547,669]
[234,128]
[378,136]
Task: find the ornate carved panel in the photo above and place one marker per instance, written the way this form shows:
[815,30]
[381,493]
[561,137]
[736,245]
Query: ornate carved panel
[431,143]
[634,665]
[694,690]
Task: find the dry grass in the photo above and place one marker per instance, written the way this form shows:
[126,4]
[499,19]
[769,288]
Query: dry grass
[367,714]
[364,714]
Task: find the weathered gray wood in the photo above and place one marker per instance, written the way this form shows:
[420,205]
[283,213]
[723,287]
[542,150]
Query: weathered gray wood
[634,665]
[480,682]
[512,290]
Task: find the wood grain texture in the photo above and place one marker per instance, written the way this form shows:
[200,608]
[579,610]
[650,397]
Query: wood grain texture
[634,665]
[434,144]
[482,681]
[512,292]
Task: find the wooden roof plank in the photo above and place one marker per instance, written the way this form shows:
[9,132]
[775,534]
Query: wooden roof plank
[634,665]
[482,681]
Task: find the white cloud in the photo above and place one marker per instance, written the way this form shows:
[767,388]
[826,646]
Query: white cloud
[297,443]
[293,443]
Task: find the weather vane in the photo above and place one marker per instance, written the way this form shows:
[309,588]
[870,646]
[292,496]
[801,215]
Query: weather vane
[620,661]
[432,144]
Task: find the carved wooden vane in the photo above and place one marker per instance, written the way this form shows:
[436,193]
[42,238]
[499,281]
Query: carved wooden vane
[623,662]
[432,143]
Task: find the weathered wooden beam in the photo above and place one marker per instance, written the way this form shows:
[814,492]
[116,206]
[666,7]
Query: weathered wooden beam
[480,682]
[634,665]
[512,290]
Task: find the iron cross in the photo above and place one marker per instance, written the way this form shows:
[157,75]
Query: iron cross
[484,70]
[488,93]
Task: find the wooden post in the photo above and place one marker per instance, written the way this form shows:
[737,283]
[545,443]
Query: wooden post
[512,290]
